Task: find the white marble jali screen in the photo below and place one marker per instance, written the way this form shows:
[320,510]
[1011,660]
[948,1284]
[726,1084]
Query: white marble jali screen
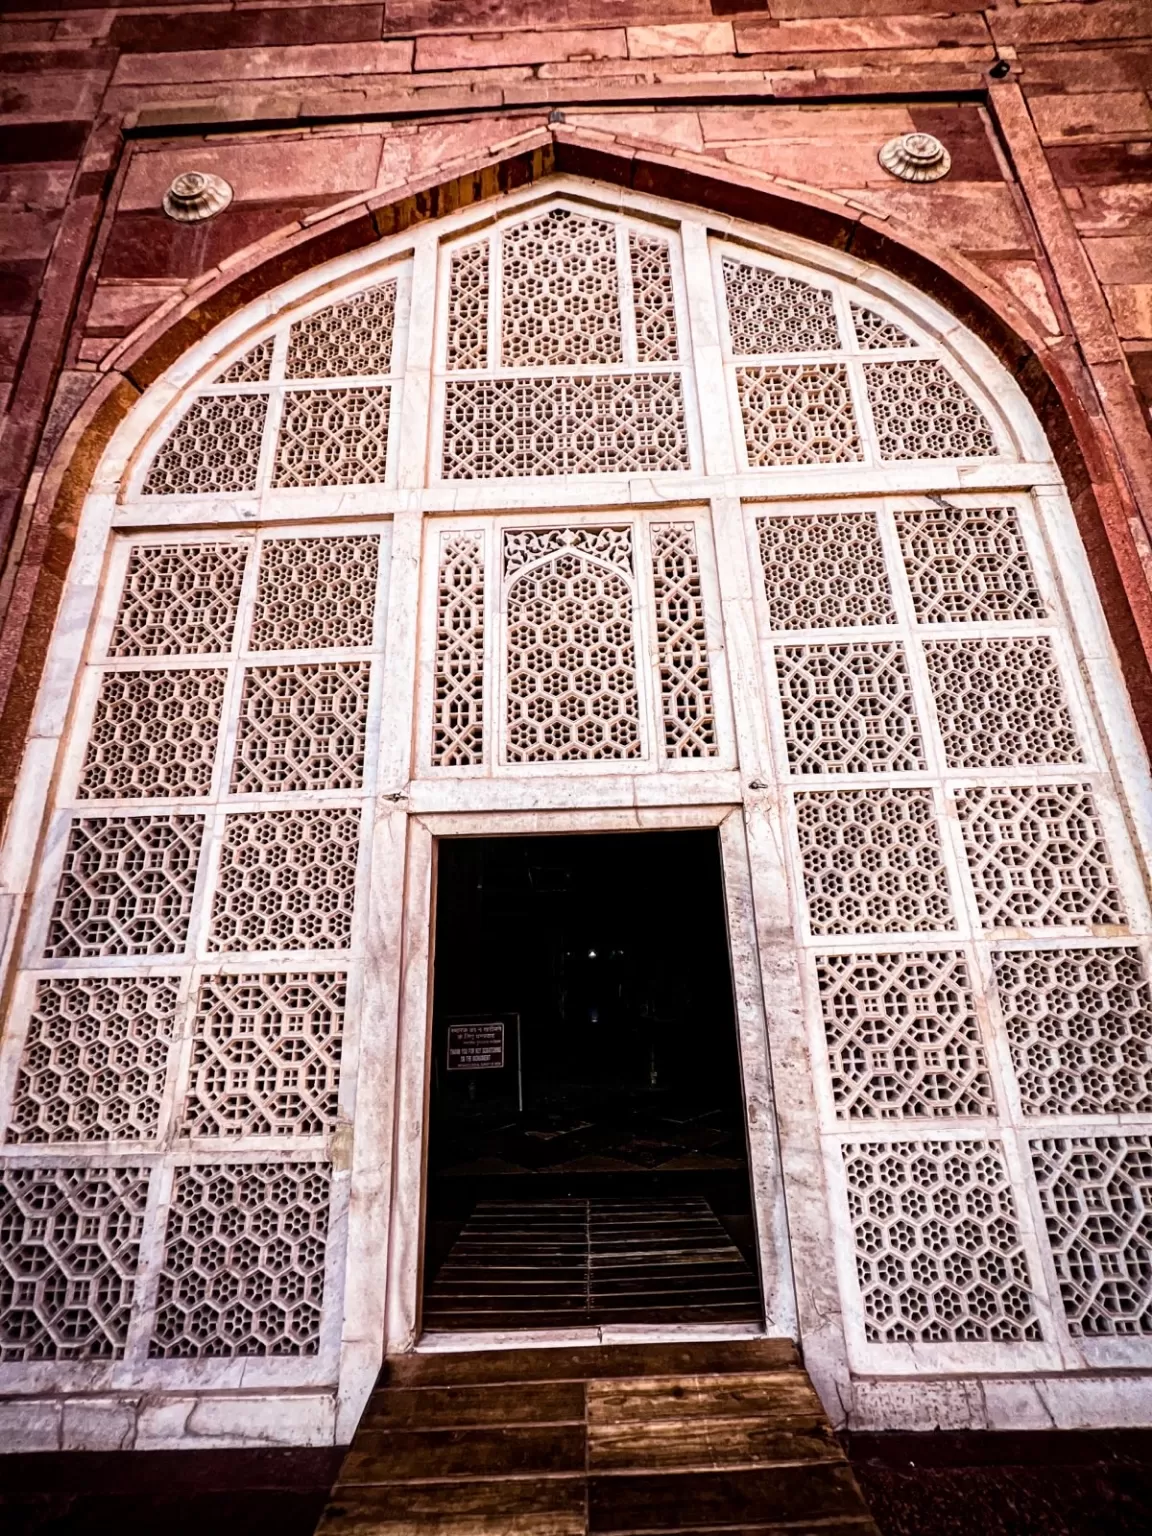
[974,930]
[661,521]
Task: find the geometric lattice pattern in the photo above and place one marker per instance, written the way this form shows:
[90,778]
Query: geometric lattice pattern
[1096,1193]
[1079,1023]
[126,886]
[458,705]
[681,643]
[179,600]
[938,1247]
[255,367]
[287,880]
[468,308]
[873,332]
[302,728]
[213,448]
[872,861]
[524,546]
[316,593]
[967,565]
[1001,702]
[561,298]
[69,1248]
[798,413]
[95,1059]
[347,340]
[333,437]
[266,1055]
[768,312]
[243,1261]
[848,708]
[653,298]
[921,412]
[824,571]
[153,734]
[902,1036]
[571,665]
[605,424]
[1038,857]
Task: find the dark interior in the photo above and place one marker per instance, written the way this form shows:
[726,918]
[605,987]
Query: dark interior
[593,1167]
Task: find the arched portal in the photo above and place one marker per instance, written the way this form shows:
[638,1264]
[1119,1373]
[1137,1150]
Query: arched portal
[578,515]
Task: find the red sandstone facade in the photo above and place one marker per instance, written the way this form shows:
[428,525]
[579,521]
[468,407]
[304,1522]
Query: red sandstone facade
[336,124]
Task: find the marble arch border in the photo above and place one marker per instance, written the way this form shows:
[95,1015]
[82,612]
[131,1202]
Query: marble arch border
[1051,376]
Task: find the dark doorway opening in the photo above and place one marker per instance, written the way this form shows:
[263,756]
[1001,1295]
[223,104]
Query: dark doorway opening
[587,1158]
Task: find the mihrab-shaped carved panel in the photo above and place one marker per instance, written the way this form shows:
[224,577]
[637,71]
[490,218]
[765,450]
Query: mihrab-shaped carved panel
[848,708]
[243,1269]
[902,1036]
[824,571]
[126,886]
[69,1251]
[1079,1024]
[1096,1194]
[95,1059]
[266,1055]
[938,1248]
[153,735]
[179,600]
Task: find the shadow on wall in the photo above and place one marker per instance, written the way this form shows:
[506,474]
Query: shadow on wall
[1032,1483]
[176,1493]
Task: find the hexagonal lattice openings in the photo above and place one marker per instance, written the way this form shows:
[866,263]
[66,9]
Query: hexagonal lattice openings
[921,412]
[153,735]
[560,290]
[937,1243]
[1079,1023]
[1096,1193]
[1000,703]
[69,1249]
[179,600]
[824,571]
[302,728]
[848,708]
[243,1270]
[214,447]
[95,1059]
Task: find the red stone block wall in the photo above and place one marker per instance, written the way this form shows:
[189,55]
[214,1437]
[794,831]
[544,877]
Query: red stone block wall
[336,123]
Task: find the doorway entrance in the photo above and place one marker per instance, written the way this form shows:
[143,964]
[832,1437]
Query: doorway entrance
[587,1158]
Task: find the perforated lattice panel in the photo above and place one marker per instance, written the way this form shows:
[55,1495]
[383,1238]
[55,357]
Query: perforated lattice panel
[153,735]
[561,298]
[468,308]
[287,880]
[921,412]
[615,424]
[94,1059]
[682,643]
[874,333]
[1000,703]
[458,707]
[872,861]
[266,1055]
[315,593]
[1037,856]
[902,1036]
[333,437]
[967,565]
[213,448]
[69,1249]
[302,728]
[938,1247]
[570,678]
[824,571]
[243,1261]
[1079,1022]
[522,546]
[798,413]
[126,886]
[347,340]
[179,600]
[768,312]
[1096,1194]
[255,367]
[654,299]
[848,708]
